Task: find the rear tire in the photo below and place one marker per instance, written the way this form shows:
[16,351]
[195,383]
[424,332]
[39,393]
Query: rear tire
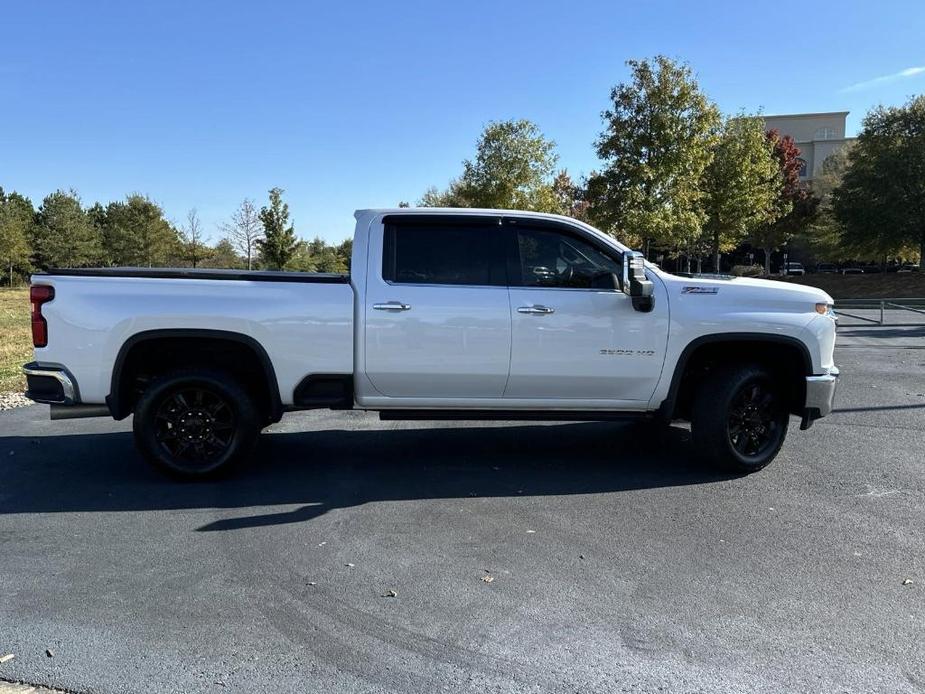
[739,419]
[195,424]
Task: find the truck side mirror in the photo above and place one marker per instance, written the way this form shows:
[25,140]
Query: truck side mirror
[635,284]
[606,281]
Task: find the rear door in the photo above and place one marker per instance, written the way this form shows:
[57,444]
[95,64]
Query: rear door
[438,318]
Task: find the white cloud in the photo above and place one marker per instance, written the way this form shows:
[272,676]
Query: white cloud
[884,79]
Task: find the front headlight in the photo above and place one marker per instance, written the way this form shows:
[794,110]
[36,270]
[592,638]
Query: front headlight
[824,309]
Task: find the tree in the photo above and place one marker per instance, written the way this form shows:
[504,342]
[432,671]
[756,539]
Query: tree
[279,243]
[796,205]
[823,236]
[63,235]
[345,251]
[193,248]
[658,139]
[245,231]
[881,200]
[223,255]
[451,197]
[569,198]
[512,169]
[16,215]
[742,185]
[135,233]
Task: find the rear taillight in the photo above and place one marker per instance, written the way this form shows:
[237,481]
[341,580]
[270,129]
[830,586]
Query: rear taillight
[40,294]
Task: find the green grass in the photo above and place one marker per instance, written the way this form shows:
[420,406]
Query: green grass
[15,338]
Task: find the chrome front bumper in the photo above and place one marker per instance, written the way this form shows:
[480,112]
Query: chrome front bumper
[820,396]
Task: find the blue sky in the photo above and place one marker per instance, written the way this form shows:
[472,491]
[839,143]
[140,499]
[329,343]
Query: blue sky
[347,105]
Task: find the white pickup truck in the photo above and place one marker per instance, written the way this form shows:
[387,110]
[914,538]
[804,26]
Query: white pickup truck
[446,314]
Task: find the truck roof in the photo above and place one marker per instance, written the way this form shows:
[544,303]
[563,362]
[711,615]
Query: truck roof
[460,211]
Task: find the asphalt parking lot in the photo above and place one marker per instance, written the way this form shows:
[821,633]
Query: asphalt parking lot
[365,556]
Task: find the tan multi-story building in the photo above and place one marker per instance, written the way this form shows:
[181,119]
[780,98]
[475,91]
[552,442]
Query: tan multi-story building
[816,134]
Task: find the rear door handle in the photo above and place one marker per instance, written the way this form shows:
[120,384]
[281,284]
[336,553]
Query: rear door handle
[535,309]
[392,306]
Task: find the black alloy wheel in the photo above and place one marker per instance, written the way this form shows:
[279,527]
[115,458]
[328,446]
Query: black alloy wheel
[195,426]
[739,417]
[196,423]
[754,419]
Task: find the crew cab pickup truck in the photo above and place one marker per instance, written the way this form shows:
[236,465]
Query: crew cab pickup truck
[446,314]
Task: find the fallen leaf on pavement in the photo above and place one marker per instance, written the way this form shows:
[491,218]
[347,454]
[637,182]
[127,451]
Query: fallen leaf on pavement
[907,581]
[488,579]
[390,594]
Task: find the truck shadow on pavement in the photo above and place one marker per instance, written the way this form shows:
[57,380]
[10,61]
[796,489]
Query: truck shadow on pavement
[327,469]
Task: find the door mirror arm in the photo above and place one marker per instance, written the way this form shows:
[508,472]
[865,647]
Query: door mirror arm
[635,284]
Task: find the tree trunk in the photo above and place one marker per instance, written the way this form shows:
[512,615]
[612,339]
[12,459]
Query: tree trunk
[716,253]
[688,257]
[767,261]
[922,252]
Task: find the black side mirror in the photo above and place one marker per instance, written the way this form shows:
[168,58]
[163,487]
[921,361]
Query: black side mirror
[635,284]
[606,281]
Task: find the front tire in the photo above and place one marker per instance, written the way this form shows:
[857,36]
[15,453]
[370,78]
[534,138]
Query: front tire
[195,424]
[739,420]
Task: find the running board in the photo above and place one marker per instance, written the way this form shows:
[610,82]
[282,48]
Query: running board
[511,415]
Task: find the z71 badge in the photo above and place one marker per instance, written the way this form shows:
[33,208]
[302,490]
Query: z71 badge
[700,290]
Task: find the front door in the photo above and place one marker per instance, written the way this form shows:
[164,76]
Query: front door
[573,342]
[438,319]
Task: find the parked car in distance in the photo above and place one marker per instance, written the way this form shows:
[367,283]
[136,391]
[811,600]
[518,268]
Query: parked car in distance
[909,267]
[852,271]
[447,314]
[794,269]
[827,268]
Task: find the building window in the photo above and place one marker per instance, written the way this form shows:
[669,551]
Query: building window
[825,134]
[802,167]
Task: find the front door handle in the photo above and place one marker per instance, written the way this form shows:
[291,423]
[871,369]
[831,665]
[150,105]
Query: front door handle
[392,306]
[536,309]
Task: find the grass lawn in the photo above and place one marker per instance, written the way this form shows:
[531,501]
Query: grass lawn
[15,338]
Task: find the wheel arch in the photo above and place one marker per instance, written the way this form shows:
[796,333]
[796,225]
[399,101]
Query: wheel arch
[797,361]
[199,341]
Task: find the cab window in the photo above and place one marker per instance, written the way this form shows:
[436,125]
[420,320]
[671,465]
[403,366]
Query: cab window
[443,253]
[558,260]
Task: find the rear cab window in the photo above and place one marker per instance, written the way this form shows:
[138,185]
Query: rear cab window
[444,252]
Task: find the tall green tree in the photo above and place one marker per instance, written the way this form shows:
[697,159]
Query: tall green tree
[569,196]
[658,139]
[279,243]
[135,233]
[63,234]
[16,216]
[742,185]
[796,206]
[881,200]
[823,236]
[512,169]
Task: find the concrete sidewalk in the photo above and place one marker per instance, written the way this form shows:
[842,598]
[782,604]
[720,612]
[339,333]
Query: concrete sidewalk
[11,688]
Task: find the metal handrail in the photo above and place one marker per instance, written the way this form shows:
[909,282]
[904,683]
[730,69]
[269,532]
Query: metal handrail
[883,304]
